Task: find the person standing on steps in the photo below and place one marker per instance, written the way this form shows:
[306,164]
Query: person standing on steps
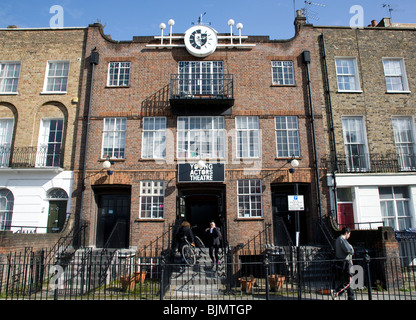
[343,264]
[214,241]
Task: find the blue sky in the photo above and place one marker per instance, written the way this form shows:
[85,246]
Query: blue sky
[124,19]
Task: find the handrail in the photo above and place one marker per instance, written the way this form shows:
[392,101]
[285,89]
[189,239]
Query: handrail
[165,245]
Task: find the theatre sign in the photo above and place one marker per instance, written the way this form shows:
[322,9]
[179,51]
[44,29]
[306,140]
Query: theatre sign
[195,172]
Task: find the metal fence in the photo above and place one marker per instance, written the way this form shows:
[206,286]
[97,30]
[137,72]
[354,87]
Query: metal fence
[118,275]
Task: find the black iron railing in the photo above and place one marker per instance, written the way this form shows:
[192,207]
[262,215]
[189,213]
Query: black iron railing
[31,157]
[201,86]
[372,163]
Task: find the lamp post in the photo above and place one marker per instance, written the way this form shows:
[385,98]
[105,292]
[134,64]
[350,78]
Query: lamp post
[294,164]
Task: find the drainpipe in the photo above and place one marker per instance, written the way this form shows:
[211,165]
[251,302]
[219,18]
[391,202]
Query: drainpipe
[334,146]
[307,61]
[94,59]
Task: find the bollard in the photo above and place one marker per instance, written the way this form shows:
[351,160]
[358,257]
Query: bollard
[162,277]
[267,266]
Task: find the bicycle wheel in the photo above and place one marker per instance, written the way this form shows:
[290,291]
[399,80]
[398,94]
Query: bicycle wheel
[199,243]
[189,255]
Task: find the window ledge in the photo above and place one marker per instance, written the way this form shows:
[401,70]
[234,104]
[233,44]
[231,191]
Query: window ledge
[150,220]
[282,85]
[249,219]
[350,91]
[396,92]
[9,93]
[54,92]
[118,87]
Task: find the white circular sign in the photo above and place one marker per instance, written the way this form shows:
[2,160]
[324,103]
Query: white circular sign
[201,41]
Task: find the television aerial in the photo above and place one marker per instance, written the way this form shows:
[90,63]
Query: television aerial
[309,13]
[390,9]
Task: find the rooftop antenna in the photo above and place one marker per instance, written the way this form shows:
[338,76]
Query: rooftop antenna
[311,14]
[391,9]
[199,21]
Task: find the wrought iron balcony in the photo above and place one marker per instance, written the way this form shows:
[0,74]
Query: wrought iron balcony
[209,89]
[31,157]
[371,163]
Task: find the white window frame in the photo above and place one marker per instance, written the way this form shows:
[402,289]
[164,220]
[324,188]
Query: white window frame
[153,191]
[360,161]
[6,213]
[354,75]
[6,138]
[287,71]
[154,139]
[396,201]
[117,135]
[123,68]
[200,137]
[404,139]
[247,202]
[5,76]
[248,142]
[286,131]
[401,74]
[43,157]
[48,77]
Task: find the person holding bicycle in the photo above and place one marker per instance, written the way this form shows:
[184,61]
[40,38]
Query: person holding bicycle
[184,233]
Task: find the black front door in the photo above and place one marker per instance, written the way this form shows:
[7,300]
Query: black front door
[113,221]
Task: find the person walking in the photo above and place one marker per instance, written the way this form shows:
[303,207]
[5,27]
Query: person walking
[214,241]
[343,263]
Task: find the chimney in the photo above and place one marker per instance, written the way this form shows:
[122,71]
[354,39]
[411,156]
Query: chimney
[374,23]
[300,20]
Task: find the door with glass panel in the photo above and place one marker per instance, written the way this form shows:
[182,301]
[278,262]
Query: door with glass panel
[201,77]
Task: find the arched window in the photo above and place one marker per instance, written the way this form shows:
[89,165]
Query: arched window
[6,209]
[58,199]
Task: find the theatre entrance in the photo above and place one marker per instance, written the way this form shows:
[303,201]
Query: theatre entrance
[201,204]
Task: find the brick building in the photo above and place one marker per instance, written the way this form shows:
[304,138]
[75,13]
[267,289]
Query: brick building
[39,89]
[198,126]
[369,78]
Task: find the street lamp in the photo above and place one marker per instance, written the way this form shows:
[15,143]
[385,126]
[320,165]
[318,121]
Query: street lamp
[107,165]
[294,164]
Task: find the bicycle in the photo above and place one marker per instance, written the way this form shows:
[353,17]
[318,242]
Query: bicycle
[189,251]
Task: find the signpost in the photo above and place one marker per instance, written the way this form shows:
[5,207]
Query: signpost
[295,203]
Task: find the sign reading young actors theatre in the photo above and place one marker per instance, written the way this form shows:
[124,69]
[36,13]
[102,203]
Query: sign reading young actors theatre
[194,172]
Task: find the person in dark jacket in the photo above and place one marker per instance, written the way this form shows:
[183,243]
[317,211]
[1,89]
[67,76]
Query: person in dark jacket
[214,241]
[343,254]
[184,232]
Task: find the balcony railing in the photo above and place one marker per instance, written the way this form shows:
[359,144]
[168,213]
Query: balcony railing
[215,88]
[372,163]
[31,157]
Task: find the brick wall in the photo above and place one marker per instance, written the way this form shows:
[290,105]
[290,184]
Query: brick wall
[147,96]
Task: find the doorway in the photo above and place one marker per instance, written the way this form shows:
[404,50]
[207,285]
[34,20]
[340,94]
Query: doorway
[113,220]
[199,206]
[284,225]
